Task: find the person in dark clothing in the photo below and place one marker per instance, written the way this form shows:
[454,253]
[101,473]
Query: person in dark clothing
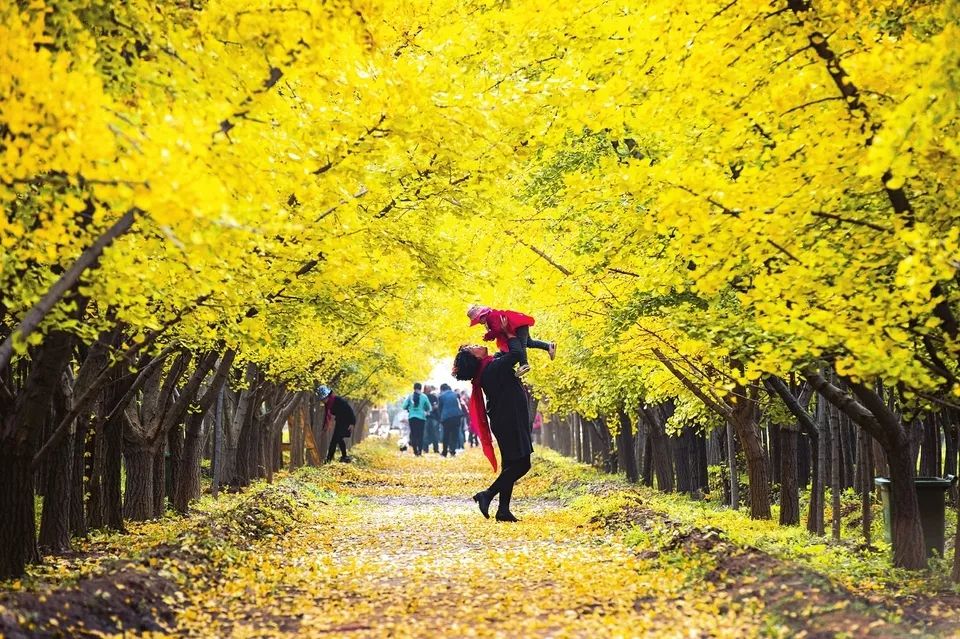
[506,405]
[431,431]
[341,413]
[450,415]
[465,407]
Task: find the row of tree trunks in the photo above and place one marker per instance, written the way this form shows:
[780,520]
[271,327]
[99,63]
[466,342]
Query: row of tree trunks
[22,419]
[187,485]
[77,417]
[640,447]
[845,436]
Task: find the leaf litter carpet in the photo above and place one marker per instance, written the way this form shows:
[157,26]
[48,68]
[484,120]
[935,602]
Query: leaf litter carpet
[393,546]
[399,549]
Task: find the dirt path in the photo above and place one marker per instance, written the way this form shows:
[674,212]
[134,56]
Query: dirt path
[407,554]
[392,546]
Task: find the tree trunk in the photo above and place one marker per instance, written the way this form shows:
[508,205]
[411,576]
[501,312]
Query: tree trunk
[160,478]
[866,486]
[789,484]
[822,467]
[18,545]
[929,447]
[297,426]
[683,460]
[662,458]
[849,451]
[254,468]
[55,517]
[644,455]
[661,452]
[20,426]
[744,418]
[278,450]
[187,481]
[732,467]
[138,501]
[703,479]
[245,451]
[803,460]
[216,462]
[950,435]
[815,511]
[626,448]
[578,443]
[587,434]
[776,463]
[908,547]
[715,447]
[266,454]
[648,461]
[955,575]
[564,433]
[78,519]
[836,481]
[607,453]
[175,451]
[112,475]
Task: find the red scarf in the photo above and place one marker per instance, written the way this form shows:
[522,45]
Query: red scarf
[478,415]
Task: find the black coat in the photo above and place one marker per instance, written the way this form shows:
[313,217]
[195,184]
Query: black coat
[343,413]
[507,404]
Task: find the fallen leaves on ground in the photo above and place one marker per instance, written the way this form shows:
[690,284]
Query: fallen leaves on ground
[393,546]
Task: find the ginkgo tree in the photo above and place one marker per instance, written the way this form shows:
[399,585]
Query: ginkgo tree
[266,196]
[231,179]
[752,172]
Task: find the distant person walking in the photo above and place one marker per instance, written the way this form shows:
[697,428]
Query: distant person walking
[450,415]
[465,407]
[509,421]
[417,406]
[340,413]
[501,325]
[431,431]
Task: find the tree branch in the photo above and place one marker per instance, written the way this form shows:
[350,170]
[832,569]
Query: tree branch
[723,410]
[88,259]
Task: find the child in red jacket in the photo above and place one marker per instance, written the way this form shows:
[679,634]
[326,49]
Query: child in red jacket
[502,324]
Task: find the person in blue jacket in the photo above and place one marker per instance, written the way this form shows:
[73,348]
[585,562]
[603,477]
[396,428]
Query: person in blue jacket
[418,407]
[450,415]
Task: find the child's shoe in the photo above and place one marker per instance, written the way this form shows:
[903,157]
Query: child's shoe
[523,370]
[552,350]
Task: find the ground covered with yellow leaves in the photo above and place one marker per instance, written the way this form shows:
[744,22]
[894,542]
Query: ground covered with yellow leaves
[392,546]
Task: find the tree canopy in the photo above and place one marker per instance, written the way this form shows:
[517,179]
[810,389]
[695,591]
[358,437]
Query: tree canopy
[688,197]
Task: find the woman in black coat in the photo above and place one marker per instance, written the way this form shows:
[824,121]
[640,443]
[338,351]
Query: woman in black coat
[339,410]
[506,405]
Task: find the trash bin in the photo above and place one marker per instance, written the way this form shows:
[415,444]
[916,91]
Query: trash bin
[930,498]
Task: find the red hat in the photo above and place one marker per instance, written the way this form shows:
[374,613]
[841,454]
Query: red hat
[477,313]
